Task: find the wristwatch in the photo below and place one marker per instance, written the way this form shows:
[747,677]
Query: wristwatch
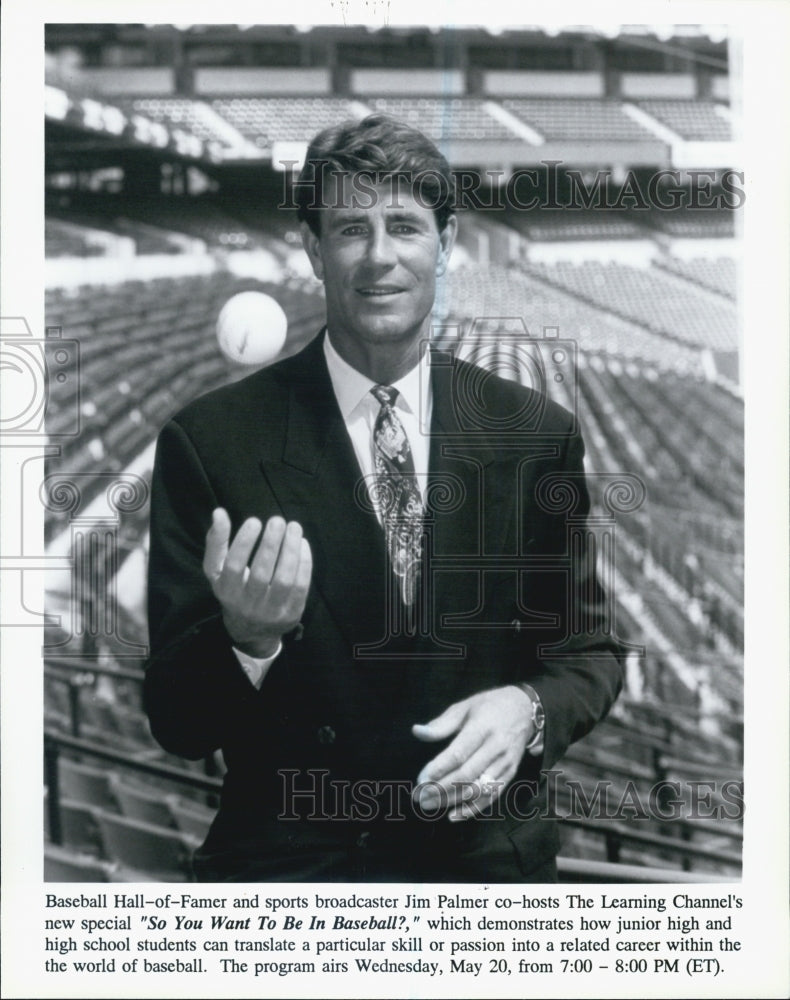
[538,715]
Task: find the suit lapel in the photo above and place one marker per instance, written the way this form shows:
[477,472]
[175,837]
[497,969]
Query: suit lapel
[313,471]
[315,479]
[466,518]
[458,460]
[476,542]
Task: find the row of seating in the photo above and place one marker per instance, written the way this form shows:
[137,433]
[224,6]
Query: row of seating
[285,119]
[156,227]
[683,526]
[160,224]
[265,120]
[98,229]
[67,241]
[644,434]
[529,294]
[455,118]
[571,224]
[578,119]
[147,852]
[146,834]
[693,120]
[718,274]
[695,223]
[651,297]
[136,799]
[178,112]
[704,456]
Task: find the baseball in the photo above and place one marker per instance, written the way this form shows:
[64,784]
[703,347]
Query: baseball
[251,328]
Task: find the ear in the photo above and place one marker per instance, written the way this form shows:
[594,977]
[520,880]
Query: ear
[446,244]
[312,247]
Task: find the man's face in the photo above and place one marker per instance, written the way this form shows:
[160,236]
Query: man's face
[379,263]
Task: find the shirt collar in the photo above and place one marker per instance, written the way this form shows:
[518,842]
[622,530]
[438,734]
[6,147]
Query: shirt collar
[352,388]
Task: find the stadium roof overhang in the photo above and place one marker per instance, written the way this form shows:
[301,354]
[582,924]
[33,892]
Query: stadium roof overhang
[78,127]
[70,147]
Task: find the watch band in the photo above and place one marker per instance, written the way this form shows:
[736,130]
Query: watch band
[538,714]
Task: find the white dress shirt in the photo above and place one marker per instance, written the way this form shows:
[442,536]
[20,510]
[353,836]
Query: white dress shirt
[359,409]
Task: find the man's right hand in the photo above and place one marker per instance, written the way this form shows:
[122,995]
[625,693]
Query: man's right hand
[264,599]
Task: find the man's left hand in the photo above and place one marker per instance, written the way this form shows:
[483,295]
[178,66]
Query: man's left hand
[493,728]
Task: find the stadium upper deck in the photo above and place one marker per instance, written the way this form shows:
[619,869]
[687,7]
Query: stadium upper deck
[505,98]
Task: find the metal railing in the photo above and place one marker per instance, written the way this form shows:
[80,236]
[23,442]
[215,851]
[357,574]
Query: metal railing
[572,869]
[55,742]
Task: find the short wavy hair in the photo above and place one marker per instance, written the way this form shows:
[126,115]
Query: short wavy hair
[380,148]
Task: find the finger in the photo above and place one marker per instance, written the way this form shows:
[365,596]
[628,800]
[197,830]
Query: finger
[239,553]
[443,725]
[262,567]
[287,562]
[450,762]
[217,539]
[479,770]
[480,783]
[304,574]
[467,780]
[466,783]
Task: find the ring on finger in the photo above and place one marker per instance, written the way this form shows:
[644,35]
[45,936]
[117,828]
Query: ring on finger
[488,783]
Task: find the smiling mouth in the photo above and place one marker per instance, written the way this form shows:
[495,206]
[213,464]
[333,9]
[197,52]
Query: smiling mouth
[379,292]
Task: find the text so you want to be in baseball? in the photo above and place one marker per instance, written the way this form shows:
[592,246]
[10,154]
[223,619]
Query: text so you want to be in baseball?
[687,933]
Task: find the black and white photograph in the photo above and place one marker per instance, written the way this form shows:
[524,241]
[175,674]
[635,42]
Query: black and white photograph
[588,251]
[385,423]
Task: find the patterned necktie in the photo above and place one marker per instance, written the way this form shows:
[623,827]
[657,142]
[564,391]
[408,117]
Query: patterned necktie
[397,492]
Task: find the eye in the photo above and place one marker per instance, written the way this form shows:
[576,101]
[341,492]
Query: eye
[352,230]
[404,229]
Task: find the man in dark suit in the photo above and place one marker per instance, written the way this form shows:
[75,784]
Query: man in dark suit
[355,589]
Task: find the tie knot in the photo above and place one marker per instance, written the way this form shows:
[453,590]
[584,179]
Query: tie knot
[385,394]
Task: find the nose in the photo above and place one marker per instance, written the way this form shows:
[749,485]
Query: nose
[381,248]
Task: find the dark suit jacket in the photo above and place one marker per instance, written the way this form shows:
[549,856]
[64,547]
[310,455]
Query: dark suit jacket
[499,586]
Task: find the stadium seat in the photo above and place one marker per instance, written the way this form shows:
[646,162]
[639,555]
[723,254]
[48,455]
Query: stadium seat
[190,817]
[79,829]
[96,711]
[86,784]
[137,803]
[64,865]
[133,725]
[152,851]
